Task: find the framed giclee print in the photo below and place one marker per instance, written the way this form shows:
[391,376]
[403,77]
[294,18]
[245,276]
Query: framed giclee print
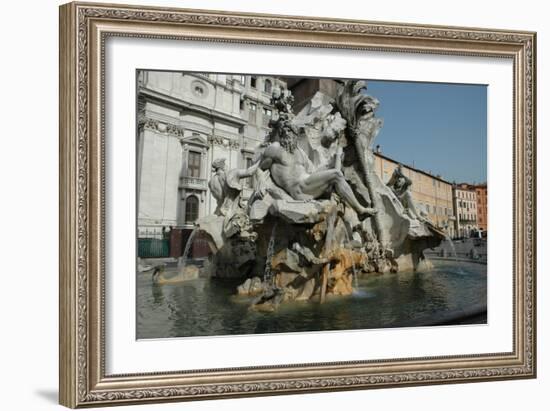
[257,204]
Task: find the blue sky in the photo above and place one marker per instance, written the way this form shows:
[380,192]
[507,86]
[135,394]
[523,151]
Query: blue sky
[437,127]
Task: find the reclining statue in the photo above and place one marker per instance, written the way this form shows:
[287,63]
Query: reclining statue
[292,170]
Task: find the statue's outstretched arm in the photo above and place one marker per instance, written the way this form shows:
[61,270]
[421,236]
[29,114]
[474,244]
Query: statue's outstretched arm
[252,169]
[393,178]
[249,172]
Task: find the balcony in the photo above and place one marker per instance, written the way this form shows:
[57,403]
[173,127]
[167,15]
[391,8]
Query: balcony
[193,182]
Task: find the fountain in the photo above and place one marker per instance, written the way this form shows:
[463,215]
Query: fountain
[452,247]
[182,261]
[268,274]
[453,253]
[182,272]
[315,182]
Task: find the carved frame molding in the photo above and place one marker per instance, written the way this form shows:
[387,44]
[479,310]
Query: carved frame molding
[84,28]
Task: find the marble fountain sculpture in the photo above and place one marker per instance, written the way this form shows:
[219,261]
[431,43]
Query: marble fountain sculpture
[319,215]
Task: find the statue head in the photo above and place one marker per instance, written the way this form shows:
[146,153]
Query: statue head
[369,105]
[354,103]
[331,127]
[288,135]
[398,177]
[218,164]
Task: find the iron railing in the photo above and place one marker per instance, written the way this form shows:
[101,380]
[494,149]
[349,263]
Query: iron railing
[153,248]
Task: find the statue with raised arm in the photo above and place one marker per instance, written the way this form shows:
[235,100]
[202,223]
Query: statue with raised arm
[226,186]
[400,185]
[293,171]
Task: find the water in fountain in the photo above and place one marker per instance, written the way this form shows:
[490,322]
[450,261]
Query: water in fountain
[453,253]
[268,274]
[356,291]
[182,261]
[355,280]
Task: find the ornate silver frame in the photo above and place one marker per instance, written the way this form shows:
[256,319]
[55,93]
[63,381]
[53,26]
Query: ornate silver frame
[83,30]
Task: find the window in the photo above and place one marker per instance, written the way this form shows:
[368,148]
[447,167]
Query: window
[243,80]
[266,116]
[253,82]
[252,113]
[191,209]
[241,104]
[199,90]
[194,164]
[267,86]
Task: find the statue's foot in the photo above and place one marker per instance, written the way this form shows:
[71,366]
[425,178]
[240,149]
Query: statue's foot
[368,212]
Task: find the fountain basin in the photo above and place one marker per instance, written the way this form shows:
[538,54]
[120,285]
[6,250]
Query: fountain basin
[209,306]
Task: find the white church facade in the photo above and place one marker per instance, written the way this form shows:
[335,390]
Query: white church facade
[185,121]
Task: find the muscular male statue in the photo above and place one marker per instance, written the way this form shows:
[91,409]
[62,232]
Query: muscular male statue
[292,170]
[400,185]
[226,187]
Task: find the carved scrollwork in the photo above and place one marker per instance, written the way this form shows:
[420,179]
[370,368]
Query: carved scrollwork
[224,142]
[307,384]
[155,125]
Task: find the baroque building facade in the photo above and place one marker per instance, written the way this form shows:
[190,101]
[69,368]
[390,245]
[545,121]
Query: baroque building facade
[185,121]
[481,194]
[465,203]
